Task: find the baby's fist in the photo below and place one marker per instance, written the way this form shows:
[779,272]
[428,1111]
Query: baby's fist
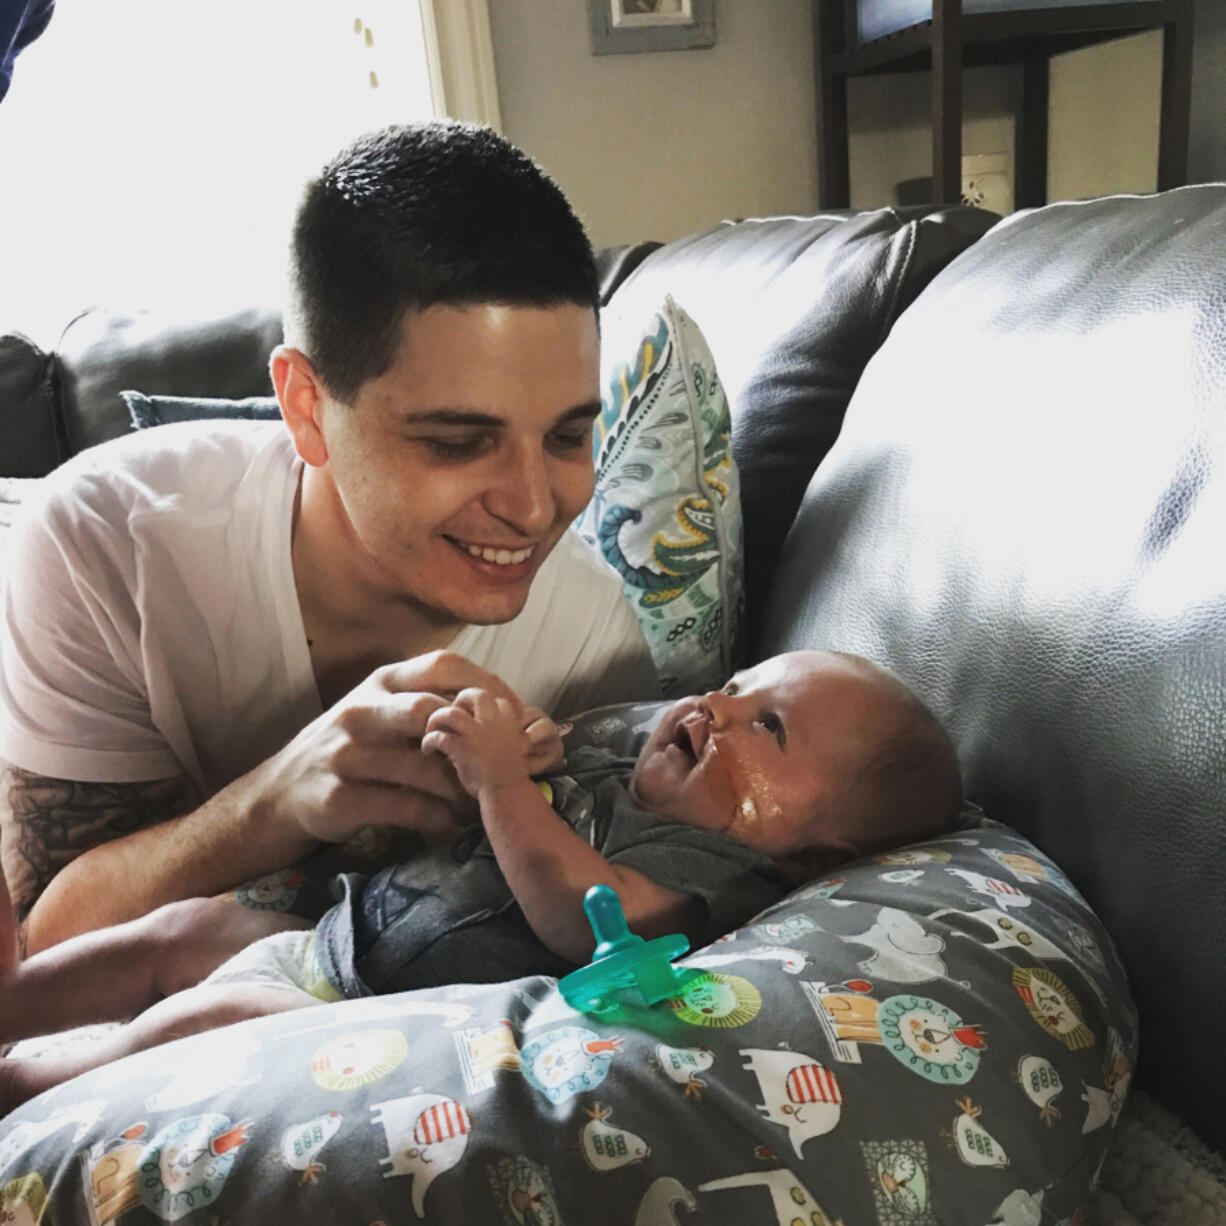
[481,735]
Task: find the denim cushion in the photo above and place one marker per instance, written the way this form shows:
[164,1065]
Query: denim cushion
[148,411]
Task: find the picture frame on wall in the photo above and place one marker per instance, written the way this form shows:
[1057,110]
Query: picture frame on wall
[620,26]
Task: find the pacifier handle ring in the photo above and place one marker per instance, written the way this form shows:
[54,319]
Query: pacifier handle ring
[608,921]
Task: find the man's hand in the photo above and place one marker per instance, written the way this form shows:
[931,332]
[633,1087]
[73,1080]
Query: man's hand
[483,736]
[80,856]
[360,763]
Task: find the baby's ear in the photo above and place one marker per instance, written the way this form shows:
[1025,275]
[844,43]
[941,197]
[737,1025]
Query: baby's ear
[810,863]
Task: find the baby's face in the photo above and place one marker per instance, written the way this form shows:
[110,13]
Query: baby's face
[766,759]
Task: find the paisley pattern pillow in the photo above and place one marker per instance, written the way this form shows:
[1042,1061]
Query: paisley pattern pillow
[666,514]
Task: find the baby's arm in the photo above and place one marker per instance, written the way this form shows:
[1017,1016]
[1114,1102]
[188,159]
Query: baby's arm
[547,865]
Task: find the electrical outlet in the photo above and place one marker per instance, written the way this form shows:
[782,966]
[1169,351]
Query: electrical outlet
[987,181]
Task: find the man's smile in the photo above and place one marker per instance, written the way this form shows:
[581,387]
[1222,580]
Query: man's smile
[498,555]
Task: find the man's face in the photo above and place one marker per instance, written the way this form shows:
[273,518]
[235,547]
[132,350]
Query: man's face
[453,474]
[767,759]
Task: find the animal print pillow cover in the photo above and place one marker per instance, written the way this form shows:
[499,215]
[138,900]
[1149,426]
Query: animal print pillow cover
[937,1034]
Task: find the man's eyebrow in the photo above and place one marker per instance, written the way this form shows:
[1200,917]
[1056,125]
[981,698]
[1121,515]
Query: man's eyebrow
[477,418]
[591,409]
[452,417]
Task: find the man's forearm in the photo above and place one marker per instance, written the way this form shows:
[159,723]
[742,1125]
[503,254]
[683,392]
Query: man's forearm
[144,856]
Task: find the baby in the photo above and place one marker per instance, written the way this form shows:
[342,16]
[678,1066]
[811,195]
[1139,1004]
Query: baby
[799,763]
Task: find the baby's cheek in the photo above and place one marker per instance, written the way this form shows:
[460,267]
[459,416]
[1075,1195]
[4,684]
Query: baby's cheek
[751,791]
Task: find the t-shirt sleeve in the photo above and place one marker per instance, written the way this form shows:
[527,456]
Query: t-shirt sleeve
[73,704]
[733,881]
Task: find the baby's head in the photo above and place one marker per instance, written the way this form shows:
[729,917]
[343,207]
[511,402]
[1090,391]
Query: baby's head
[813,757]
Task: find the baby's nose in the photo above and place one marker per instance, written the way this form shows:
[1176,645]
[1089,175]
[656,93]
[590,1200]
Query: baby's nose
[720,707]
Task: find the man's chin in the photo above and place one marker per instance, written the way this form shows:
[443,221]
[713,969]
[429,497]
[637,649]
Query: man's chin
[477,595]
[480,609]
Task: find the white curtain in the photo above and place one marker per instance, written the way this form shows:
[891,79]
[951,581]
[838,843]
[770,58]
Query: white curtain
[152,151]
[460,57]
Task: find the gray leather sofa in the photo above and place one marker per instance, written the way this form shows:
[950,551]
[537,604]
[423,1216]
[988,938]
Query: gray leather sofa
[1021,510]
[1025,516]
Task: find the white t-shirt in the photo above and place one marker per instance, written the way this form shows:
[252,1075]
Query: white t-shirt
[152,627]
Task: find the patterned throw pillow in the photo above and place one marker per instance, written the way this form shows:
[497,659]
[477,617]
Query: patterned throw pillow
[666,514]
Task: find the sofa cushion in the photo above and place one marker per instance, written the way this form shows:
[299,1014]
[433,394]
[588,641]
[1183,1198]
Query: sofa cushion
[793,307]
[666,512]
[615,264]
[146,411]
[103,352]
[1023,517]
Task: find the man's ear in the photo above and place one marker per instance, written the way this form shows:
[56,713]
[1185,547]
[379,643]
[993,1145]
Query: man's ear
[301,394]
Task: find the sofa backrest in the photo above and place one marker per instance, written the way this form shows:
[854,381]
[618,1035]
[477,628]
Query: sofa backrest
[54,404]
[793,308]
[1024,516]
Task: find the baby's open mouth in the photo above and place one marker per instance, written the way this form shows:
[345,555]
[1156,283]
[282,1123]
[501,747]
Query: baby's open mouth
[689,740]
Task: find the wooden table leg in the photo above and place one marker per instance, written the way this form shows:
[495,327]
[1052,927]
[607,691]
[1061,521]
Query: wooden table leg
[1176,98]
[833,156]
[1030,134]
[946,101]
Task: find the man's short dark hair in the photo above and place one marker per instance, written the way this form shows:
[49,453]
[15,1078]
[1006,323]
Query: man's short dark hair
[420,215]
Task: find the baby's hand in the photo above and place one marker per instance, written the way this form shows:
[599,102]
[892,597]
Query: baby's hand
[483,737]
[544,742]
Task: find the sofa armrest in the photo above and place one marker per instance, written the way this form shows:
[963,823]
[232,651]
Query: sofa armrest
[32,439]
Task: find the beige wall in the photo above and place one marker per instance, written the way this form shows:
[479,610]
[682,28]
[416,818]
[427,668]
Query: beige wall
[656,145]
[1104,127]
[889,120]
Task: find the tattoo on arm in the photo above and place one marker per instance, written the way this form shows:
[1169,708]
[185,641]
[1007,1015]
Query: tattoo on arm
[46,823]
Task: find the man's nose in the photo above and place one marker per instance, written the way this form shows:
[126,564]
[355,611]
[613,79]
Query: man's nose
[522,494]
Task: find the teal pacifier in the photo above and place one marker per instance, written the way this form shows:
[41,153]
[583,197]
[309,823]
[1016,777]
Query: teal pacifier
[621,959]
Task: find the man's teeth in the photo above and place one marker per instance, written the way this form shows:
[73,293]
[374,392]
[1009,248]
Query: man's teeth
[501,557]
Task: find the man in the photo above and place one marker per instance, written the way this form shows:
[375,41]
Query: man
[245,627]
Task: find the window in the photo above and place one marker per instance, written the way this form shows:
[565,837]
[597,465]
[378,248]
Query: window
[152,151]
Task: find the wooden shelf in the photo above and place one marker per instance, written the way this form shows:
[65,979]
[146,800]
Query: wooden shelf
[951,40]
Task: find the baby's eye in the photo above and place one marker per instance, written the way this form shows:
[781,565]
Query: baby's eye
[774,725]
[730,688]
